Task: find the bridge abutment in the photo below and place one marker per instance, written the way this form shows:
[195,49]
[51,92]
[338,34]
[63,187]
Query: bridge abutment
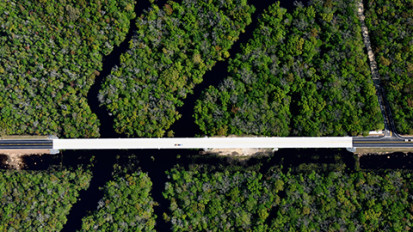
[351,149]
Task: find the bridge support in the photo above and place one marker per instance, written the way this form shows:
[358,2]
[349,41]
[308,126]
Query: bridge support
[54,151]
[51,137]
[351,149]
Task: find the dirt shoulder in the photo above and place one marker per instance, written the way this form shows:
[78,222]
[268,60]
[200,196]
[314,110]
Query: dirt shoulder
[381,151]
[25,152]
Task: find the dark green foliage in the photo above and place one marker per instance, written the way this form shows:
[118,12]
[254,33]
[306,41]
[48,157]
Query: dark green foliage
[39,201]
[390,27]
[302,74]
[284,201]
[170,52]
[127,205]
[50,52]
[220,201]
[345,202]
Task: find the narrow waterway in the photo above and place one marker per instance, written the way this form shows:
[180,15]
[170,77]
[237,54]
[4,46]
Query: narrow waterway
[103,159]
[185,126]
[110,61]
[88,199]
[155,163]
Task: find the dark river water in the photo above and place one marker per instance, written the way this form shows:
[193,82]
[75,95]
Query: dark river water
[156,162]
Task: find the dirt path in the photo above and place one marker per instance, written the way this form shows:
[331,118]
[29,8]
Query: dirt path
[366,38]
[389,127]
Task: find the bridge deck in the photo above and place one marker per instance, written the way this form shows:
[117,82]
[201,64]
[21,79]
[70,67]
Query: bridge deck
[204,143]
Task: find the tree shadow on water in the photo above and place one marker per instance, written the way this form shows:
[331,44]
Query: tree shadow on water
[396,160]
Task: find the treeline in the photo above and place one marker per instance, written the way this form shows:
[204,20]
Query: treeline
[390,27]
[127,204]
[50,54]
[304,73]
[246,200]
[39,200]
[170,52]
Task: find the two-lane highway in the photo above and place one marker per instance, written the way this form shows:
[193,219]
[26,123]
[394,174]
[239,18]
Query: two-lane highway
[25,144]
[380,142]
[206,143]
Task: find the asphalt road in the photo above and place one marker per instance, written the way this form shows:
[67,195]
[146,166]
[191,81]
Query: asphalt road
[26,144]
[382,142]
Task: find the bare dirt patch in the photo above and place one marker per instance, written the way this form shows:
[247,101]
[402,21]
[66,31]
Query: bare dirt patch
[240,152]
[237,152]
[15,157]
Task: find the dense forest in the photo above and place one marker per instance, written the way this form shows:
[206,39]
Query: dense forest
[50,54]
[390,27]
[204,199]
[168,55]
[315,193]
[304,73]
[39,200]
[127,204]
